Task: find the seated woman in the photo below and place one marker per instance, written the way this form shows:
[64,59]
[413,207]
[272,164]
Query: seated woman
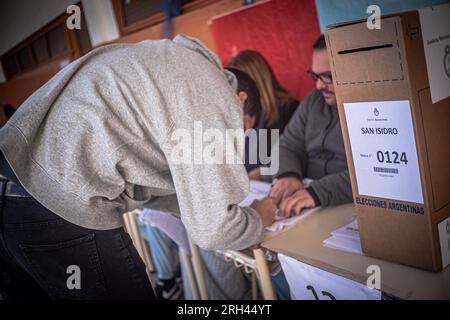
[277,104]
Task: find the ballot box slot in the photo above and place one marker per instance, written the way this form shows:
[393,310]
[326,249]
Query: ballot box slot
[389,45]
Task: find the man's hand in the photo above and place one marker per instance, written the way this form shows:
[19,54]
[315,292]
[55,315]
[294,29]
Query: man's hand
[283,188]
[266,209]
[295,203]
[255,174]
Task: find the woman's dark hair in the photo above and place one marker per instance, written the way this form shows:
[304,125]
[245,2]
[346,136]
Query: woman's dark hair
[252,105]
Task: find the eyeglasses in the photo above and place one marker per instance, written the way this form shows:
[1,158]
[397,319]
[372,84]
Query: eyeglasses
[325,77]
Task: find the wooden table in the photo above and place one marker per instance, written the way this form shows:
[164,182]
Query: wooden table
[303,241]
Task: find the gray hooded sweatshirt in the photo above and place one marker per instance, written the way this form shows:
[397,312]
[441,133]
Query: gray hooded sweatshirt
[96,140]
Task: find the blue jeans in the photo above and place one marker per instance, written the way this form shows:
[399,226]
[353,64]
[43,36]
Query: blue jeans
[163,249]
[43,256]
[281,286]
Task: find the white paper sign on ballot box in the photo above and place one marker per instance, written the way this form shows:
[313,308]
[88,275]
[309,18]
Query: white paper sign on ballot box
[310,283]
[384,150]
[436,43]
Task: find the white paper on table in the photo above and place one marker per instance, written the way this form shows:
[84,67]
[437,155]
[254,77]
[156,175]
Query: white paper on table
[345,238]
[344,244]
[435,27]
[260,190]
[310,283]
[260,187]
[384,150]
[350,230]
[281,223]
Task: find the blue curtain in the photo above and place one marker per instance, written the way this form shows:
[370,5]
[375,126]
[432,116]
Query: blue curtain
[335,11]
[171,8]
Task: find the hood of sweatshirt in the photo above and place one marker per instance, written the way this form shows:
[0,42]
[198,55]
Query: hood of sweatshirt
[197,46]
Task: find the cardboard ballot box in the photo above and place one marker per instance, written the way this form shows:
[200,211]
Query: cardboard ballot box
[392,87]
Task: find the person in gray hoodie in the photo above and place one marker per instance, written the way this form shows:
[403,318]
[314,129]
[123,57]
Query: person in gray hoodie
[98,140]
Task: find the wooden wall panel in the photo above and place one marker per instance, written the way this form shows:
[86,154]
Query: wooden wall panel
[16,90]
[194,23]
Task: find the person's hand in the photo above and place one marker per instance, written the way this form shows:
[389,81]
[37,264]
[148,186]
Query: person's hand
[283,188]
[266,209]
[255,174]
[296,203]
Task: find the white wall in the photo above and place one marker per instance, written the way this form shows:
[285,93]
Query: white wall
[101,21]
[21,18]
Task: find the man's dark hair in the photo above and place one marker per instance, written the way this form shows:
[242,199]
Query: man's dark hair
[320,43]
[252,105]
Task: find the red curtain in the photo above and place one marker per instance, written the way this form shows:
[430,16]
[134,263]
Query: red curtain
[283,31]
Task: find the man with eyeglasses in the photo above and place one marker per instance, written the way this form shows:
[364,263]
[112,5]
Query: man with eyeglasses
[312,147]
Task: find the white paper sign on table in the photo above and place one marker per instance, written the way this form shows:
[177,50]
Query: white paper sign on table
[444,239]
[384,150]
[310,283]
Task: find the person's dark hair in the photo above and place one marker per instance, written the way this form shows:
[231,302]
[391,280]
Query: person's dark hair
[252,105]
[273,94]
[9,110]
[320,43]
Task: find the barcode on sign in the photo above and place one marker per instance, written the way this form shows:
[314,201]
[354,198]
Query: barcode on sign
[385,170]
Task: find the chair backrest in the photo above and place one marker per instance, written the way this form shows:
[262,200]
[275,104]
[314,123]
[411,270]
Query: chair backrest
[174,228]
[139,243]
[169,224]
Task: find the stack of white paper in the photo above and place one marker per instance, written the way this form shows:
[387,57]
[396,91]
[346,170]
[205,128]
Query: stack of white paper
[260,190]
[281,222]
[260,187]
[345,238]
